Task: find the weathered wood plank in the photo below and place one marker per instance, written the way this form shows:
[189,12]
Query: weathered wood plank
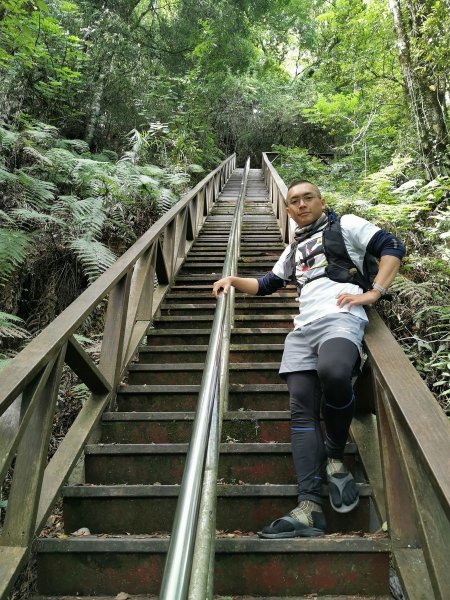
[19,413]
[364,432]
[31,457]
[421,417]
[68,454]
[113,336]
[81,363]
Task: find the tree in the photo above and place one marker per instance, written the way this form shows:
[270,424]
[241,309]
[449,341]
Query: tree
[416,29]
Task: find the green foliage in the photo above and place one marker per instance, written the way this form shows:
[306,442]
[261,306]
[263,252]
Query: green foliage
[13,252]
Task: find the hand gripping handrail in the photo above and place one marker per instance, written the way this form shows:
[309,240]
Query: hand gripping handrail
[205,437]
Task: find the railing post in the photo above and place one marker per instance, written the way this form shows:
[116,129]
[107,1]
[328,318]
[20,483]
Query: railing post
[113,336]
[31,460]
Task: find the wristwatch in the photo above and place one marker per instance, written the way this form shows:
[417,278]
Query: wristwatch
[378,287]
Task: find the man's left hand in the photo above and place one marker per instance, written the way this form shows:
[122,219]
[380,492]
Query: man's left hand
[366,299]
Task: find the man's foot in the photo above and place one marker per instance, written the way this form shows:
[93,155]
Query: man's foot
[306,520]
[343,492]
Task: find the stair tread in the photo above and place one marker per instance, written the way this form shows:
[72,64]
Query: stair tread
[367,543]
[203,347]
[223,490]
[225,448]
[199,366]
[234,387]
[236,415]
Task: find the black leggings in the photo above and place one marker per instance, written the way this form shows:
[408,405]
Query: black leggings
[333,379]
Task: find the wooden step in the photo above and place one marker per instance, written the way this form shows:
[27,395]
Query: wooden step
[205,321]
[201,336]
[244,565]
[196,354]
[184,397]
[191,373]
[172,427]
[113,464]
[285,307]
[149,509]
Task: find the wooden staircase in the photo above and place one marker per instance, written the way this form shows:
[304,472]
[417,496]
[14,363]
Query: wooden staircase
[132,475]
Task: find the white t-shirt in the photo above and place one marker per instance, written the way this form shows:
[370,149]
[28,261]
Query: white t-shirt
[318,298]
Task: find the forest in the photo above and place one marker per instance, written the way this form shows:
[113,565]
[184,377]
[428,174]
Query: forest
[110,109]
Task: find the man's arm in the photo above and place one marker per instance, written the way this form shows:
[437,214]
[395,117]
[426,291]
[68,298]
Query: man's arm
[388,269]
[248,285]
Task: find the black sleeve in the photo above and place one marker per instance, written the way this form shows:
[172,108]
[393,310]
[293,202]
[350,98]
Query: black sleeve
[384,243]
[269,283]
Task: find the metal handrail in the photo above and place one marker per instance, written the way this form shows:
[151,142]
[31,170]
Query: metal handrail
[177,571]
[30,382]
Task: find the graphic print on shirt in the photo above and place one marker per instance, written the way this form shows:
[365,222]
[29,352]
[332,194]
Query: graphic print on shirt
[310,256]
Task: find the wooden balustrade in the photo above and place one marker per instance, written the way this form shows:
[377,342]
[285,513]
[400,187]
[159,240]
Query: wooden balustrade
[31,381]
[404,444]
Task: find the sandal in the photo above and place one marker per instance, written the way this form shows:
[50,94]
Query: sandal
[288,527]
[336,486]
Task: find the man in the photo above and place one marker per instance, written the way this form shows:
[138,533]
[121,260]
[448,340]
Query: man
[323,351]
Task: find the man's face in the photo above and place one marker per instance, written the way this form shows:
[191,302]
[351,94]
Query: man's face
[304,204]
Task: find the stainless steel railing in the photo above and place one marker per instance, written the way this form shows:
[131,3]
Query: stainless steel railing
[191,547]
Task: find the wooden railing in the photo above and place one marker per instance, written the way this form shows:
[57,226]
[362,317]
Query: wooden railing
[403,439]
[31,381]
[277,196]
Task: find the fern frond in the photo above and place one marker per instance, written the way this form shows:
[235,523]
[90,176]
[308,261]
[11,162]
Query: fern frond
[37,192]
[79,146]
[13,251]
[151,170]
[10,327]
[34,154]
[166,199]
[195,168]
[8,139]
[145,181]
[80,392]
[63,160]
[6,217]
[176,178]
[42,134]
[94,257]
[25,214]
[88,216]
[138,142]
[7,177]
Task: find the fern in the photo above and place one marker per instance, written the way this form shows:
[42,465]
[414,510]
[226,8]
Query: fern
[166,199]
[88,216]
[36,156]
[25,214]
[138,143]
[94,257]
[79,146]
[193,168]
[62,160]
[37,192]
[151,170]
[7,177]
[42,134]
[10,327]
[6,217]
[13,251]
[8,139]
[80,392]
[177,178]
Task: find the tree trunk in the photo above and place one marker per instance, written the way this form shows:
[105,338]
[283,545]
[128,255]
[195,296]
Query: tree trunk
[426,100]
[96,107]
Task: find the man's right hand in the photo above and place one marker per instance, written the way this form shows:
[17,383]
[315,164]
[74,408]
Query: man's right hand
[222,285]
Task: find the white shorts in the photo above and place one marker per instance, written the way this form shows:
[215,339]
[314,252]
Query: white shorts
[301,348]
